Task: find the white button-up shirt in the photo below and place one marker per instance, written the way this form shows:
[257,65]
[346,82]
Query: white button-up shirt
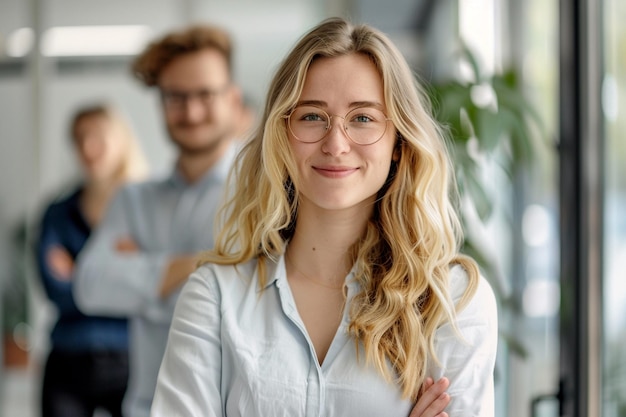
[235,349]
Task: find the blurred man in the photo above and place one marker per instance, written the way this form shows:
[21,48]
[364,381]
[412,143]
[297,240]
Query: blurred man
[147,245]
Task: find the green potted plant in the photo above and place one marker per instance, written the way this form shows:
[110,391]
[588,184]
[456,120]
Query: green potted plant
[488,119]
[15,304]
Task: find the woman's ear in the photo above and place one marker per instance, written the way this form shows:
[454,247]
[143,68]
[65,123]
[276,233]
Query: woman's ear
[397,149]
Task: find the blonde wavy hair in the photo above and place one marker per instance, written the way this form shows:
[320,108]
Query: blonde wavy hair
[134,165]
[413,238]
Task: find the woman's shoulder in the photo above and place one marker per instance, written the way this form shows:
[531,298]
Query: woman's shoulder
[62,204]
[483,296]
[210,269]
[226,276]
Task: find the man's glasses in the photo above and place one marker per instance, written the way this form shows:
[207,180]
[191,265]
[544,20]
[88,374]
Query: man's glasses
[363,125]
[177,100]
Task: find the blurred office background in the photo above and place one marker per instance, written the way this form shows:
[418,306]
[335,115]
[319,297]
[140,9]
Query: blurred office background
[544,160]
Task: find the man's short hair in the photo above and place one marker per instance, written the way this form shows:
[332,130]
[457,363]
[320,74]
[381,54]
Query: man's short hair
[150,63]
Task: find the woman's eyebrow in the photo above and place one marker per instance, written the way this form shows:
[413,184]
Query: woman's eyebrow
[366,104]
[354,104]
[316,103]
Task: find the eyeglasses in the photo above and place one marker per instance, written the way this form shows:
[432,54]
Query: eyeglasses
[177,100]
[363,125]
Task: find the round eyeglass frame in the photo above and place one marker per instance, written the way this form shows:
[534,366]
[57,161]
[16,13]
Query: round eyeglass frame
[329,125]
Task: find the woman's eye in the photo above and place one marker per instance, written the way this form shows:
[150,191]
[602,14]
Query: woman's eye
[362,118]
[312,117]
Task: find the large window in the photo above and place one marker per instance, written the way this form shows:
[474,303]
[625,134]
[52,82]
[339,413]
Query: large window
[613,99]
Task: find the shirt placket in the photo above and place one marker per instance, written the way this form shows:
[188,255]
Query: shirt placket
[315,396]
[182,222]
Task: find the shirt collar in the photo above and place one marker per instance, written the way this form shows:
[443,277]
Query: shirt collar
[277,273]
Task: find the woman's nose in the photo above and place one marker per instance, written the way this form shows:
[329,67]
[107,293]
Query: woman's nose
[336,140]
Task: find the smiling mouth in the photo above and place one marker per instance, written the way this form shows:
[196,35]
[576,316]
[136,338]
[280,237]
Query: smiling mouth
[335,172]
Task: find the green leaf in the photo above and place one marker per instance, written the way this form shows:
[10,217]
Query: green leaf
[468,54]
[514,344]
[480,197]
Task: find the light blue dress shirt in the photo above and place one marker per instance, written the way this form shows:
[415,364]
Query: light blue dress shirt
[236,349]
[164,218]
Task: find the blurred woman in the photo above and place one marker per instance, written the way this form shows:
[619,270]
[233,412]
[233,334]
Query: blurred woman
[87,367]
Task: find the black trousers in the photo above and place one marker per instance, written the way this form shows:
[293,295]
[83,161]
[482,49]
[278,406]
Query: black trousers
[75,384]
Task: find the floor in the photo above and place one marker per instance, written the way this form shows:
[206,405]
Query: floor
[20,385]
[20,393]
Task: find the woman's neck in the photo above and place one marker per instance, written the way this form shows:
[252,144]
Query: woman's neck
[320,245]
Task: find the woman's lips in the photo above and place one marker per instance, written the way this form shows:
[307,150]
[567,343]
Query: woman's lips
[334,171]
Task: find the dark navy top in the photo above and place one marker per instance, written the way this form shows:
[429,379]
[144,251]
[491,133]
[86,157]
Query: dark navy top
[64,225]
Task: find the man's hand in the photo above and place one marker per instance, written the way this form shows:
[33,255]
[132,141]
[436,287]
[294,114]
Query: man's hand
[178,268]
[126,245]
[433,399]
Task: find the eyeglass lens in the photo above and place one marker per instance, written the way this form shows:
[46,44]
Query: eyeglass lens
[363,125]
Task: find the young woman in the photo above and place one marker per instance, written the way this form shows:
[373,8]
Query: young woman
[336,287]
[87,366]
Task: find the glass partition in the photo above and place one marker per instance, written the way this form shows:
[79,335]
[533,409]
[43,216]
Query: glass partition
[613,99]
